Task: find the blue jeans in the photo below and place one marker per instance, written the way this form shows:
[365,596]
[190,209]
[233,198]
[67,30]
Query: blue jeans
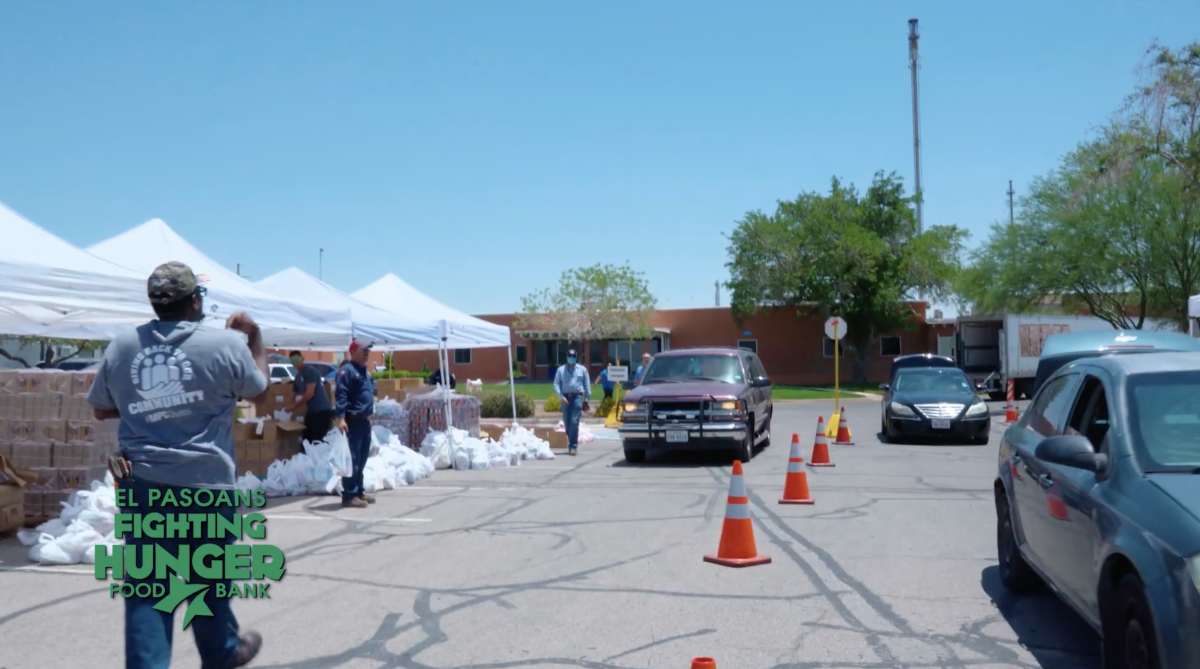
[358,433]
[572,411]
[148,633]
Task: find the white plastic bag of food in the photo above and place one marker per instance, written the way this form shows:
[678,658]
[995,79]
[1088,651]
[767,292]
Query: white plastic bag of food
[339,454]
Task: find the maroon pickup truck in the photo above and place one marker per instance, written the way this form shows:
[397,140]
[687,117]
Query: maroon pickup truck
[699,398]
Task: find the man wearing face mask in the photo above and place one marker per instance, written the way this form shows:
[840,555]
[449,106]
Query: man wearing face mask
[309,388]
[352,415]
[572,385]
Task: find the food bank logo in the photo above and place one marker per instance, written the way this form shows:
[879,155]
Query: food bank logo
[189,556]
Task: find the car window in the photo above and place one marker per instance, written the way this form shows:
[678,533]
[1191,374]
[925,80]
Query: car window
[1164,410]
[1049,410]
[1090,415]
[929,381]
[726,368]
[756,366]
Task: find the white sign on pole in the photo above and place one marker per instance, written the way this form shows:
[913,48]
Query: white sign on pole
[837,323]
[618,374]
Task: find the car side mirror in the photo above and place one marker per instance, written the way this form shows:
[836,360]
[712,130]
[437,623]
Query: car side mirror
[1071,450]
[884,386]
[761,382]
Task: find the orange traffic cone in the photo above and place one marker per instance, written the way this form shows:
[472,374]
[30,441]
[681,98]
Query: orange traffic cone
[843,435]
[820,454]
[1010,411]
[795,485]
[704,663]
[737,547]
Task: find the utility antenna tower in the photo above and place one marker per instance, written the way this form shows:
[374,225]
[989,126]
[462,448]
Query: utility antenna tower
[717,285]
[914,63]
[1010,193]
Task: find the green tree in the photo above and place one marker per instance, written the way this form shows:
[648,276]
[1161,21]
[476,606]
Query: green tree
[859,257]
[1115,229]
[593,303]
[53,350]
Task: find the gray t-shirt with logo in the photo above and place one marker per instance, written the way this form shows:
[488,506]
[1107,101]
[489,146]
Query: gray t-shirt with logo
[176,385]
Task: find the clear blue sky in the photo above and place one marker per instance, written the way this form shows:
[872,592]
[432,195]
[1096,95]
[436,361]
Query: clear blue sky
[478,149]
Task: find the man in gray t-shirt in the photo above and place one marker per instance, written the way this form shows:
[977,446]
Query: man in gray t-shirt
[309,388]
[174,385]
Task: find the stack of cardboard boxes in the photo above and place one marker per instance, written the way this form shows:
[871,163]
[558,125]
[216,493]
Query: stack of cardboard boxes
[398,389]
[256,444]
[48,432]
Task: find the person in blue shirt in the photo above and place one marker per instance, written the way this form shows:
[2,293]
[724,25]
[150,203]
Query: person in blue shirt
[572,385]
[608,386]
[641,370]
[355,402]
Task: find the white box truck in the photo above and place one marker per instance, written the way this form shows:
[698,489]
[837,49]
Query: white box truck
[993,349]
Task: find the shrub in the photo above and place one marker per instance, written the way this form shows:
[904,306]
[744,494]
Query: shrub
[496,404]
[400,374]
[606,406]
[551,404]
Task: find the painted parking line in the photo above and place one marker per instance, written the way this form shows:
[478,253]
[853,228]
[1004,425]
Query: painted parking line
[51,569]
[278,516]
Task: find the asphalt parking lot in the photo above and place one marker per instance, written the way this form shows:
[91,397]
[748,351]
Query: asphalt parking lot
[592,562]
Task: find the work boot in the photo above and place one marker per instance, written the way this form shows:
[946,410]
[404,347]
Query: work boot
[355,503]
[571,451]
[369,499]
[248,645]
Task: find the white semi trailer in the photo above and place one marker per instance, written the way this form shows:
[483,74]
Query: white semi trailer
[994,349]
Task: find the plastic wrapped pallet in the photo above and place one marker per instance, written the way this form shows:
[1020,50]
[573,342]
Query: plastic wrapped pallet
[427,413]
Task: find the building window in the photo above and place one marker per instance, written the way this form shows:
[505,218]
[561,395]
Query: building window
[462,356]
[522,354]
[749,344]
[889,347]
[596,352]
[827,348]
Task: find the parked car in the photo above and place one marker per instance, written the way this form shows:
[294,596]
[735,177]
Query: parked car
[1098,496]
[1066,347]
[699,398]
[76,365]
[938,402]
[918,360]
[328,369]
[281,372]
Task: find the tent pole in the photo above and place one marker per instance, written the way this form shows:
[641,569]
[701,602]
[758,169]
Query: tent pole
[512,386]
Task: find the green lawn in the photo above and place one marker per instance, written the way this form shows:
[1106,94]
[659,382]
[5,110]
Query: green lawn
[540,391]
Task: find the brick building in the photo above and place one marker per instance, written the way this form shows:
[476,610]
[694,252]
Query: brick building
[793,348]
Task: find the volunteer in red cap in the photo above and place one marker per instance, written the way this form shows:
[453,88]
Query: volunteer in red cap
[354,403]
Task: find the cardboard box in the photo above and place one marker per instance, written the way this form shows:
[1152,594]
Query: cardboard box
[556,439]
[31,454]
[244,431]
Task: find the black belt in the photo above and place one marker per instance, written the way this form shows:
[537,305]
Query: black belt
[351,417]
[572,394]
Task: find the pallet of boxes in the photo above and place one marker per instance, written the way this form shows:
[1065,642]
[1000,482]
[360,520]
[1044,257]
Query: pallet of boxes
[260,438]
[51,440]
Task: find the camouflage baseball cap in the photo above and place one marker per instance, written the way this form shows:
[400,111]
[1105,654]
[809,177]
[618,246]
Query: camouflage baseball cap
[170,282]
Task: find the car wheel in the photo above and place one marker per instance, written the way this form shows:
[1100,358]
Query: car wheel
[745,451]
[1129,639]
[981,441]
[635,455]
[766,442]
[1015,572]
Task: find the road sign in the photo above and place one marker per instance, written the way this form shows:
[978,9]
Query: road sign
[835,323]
[618,374]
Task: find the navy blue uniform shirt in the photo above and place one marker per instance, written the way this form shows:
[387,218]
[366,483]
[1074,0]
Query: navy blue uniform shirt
[355,391]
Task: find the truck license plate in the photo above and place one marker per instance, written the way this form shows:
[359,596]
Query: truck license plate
[677,436]
[941,424]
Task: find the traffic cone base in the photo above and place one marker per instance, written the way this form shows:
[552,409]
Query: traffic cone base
[795,485]
[737,548]
[704,663]
[843,432]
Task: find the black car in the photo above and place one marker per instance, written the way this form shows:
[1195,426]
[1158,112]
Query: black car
[934,402]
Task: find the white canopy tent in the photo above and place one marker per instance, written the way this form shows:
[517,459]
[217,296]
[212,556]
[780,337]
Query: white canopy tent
[385,330]
[285,323]
[50,288]
[458,330]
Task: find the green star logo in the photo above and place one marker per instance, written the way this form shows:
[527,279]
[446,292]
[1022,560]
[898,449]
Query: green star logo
[180,591]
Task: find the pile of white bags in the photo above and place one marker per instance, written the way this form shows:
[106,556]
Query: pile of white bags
[458,449]
[320,468]
[586,436]
[85,522]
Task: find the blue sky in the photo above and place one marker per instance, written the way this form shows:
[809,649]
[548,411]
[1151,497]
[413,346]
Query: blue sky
[478,149]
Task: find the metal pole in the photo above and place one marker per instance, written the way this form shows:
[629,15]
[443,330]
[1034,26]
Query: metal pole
[1010,203]
[321,264]
[512,386]
[913,62]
